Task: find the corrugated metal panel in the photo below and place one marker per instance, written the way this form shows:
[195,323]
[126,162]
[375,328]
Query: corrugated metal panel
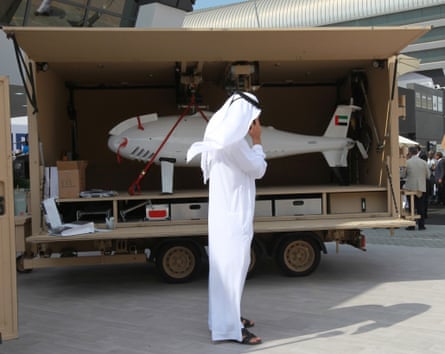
[298,13]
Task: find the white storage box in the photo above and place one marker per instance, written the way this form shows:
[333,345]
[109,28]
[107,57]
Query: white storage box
[263,208]
[297,206]
[189,211]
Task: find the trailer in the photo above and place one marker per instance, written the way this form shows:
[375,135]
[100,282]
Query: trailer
[81,82]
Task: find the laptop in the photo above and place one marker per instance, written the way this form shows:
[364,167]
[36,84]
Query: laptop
[57,227]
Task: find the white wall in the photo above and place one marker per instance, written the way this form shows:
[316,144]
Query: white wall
[159,16]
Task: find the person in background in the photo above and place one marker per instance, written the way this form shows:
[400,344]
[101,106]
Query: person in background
[432,182]
[439,174]
[421,153]
[424,156]
[232,166]
[417,173]
[25,146]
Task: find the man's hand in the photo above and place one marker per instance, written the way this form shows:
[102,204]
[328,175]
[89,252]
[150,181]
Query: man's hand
[255,132]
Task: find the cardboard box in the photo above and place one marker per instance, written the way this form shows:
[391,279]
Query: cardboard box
[71,178]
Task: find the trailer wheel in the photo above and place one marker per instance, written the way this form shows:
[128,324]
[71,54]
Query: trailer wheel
[298,256]
[254,257]
[178,262]
[20,266]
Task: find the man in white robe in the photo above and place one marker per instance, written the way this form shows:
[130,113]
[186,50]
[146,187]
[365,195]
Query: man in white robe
[232,166]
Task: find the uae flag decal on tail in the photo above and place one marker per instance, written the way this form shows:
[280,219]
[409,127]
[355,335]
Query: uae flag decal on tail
[341,120]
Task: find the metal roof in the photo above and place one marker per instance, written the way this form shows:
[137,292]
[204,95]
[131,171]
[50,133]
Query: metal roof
[297,13]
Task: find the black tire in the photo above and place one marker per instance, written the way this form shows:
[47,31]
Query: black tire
[19,265]
[68,252]
[298,255]
[255,255]
[178,262]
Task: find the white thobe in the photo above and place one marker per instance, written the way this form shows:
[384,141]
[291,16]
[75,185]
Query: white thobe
[233,171]
[232,167]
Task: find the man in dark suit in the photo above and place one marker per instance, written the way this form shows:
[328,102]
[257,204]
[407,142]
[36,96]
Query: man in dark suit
[439,173]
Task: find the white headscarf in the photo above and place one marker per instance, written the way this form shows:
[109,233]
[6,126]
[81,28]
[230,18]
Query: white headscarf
[229,125]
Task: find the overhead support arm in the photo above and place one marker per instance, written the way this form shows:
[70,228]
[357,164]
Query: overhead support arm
[242,76]
[188,80]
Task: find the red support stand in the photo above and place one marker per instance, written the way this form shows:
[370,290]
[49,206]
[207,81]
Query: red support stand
[135,187]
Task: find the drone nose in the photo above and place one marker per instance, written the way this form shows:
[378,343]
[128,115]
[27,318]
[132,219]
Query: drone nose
[115,142]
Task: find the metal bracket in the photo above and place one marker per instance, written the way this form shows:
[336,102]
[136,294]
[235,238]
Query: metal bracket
[241,77]
[123,213]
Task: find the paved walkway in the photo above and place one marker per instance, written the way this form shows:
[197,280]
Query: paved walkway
[388,300]
[433,237]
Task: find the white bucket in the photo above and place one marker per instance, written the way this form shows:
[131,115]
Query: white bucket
[20,208]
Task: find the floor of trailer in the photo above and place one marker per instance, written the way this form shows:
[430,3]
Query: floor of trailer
[386,300]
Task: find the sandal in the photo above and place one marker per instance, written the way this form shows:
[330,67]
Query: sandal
[250,338]
[247,323]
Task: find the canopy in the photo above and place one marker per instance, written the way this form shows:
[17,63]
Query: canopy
[407,64]
[148,55]
[407,142]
